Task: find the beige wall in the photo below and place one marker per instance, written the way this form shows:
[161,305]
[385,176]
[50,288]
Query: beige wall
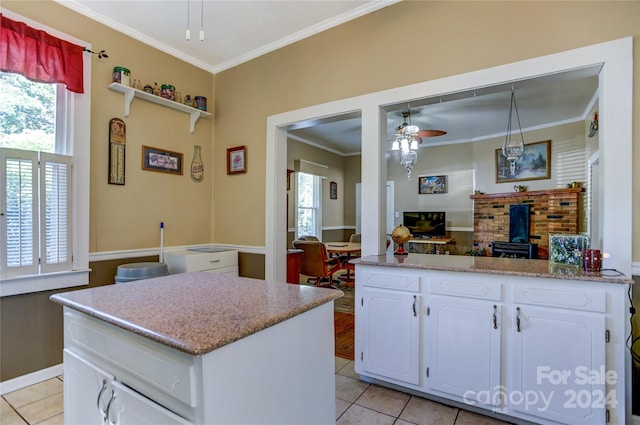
[446,38]
[129,216]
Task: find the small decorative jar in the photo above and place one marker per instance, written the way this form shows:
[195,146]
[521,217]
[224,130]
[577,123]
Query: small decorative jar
[121,75]
[188,100]
[148,89]
[168,91]
[201,103]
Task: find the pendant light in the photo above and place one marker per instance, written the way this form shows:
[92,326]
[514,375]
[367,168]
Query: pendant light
[188,32]
[513,149]
[407,141]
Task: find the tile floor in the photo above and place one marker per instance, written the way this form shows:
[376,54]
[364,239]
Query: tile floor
[356,403]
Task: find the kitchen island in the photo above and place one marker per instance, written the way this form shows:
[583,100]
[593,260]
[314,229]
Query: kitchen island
[522,340]
[199,348]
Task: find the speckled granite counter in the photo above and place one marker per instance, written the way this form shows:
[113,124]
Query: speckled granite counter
[490,265]
[196,312]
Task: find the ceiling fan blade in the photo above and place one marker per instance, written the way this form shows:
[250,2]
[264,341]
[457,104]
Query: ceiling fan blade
[431,133]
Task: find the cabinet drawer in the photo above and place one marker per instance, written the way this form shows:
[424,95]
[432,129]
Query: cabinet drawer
[404,282]
[467,285]
[561,295]
[151,364]
[194,261]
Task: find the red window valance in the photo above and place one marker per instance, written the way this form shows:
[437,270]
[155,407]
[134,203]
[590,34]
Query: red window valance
[39,56]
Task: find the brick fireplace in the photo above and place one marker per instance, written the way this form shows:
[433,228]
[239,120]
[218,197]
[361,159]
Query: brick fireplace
[551,211]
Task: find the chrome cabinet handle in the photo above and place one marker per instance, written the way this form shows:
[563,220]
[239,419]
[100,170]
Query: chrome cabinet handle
[102,411]
[518,319]
[495,317]
[415,312]
[113,397]
[214,261]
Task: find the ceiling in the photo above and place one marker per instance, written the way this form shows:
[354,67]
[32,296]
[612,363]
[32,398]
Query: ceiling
[472,115]
[236,31]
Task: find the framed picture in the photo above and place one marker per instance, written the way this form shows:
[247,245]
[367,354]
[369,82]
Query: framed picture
[162,160]
[534,164]
[237,160]
[333,190]
[428,185]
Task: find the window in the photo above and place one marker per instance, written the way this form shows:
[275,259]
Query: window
[309,205]
[44,174]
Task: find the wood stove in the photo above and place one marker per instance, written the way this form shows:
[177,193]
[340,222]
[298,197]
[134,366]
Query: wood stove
[518,245]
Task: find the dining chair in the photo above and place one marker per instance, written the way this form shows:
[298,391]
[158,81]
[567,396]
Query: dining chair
[308,238]
[316,263]
[355,238]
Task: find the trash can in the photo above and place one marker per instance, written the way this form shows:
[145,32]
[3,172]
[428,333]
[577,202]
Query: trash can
[138,271]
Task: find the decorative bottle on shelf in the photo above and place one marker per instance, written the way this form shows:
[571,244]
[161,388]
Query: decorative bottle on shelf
[197,167]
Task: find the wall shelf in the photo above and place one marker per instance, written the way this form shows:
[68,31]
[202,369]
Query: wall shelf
[130,93]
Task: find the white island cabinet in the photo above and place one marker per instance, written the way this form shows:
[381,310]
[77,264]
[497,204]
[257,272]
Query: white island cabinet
[515,339]
[199,348]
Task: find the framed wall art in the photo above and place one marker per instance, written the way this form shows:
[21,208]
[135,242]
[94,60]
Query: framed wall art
[333,190]
[429,185]
[237,160]
[117,144]
[162,160]
[535,164]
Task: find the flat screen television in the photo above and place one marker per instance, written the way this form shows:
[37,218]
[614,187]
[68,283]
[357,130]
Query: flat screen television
[425,224]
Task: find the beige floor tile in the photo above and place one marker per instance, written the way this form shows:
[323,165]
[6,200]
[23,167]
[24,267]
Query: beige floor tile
[358,415]
[384,400]
[43,409]
[425,412]
[349,389]
[34,392]
[8,416]
[401,422]
[341,407]
[340,363]
[55,420]
[349,370]
[469,418]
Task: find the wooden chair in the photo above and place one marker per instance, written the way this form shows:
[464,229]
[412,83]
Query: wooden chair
[355,238]
[308,238]
[316,263]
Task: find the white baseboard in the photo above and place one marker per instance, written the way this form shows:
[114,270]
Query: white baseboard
[30,379]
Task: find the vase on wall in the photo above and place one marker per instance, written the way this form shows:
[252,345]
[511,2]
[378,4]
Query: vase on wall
[197,167]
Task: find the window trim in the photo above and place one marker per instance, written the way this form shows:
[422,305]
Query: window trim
[78,136]
[317,204]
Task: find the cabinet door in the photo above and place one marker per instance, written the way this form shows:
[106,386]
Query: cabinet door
[87,391]
[559,367]
[131,408]
[390,323]
[463,347]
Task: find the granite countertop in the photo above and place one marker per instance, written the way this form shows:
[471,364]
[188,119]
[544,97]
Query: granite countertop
[491,265]
[196,312]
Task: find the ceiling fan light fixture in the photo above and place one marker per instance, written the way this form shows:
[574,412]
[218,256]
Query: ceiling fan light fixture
[408,141]
[395,146]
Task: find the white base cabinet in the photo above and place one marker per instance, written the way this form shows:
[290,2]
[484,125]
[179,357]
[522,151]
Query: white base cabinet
[114,376]
[548,351]
[219,261]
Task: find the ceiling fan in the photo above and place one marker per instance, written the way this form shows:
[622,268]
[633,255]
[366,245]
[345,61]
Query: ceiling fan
[407,128]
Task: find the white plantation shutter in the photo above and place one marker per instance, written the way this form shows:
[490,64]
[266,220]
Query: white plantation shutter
[19,183]
[55,217]
[36,213]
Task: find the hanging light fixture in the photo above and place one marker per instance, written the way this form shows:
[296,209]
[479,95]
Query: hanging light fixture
[513,149]
[188,32]
[407,142]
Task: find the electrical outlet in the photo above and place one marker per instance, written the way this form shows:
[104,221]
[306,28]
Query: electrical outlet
[397,214]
